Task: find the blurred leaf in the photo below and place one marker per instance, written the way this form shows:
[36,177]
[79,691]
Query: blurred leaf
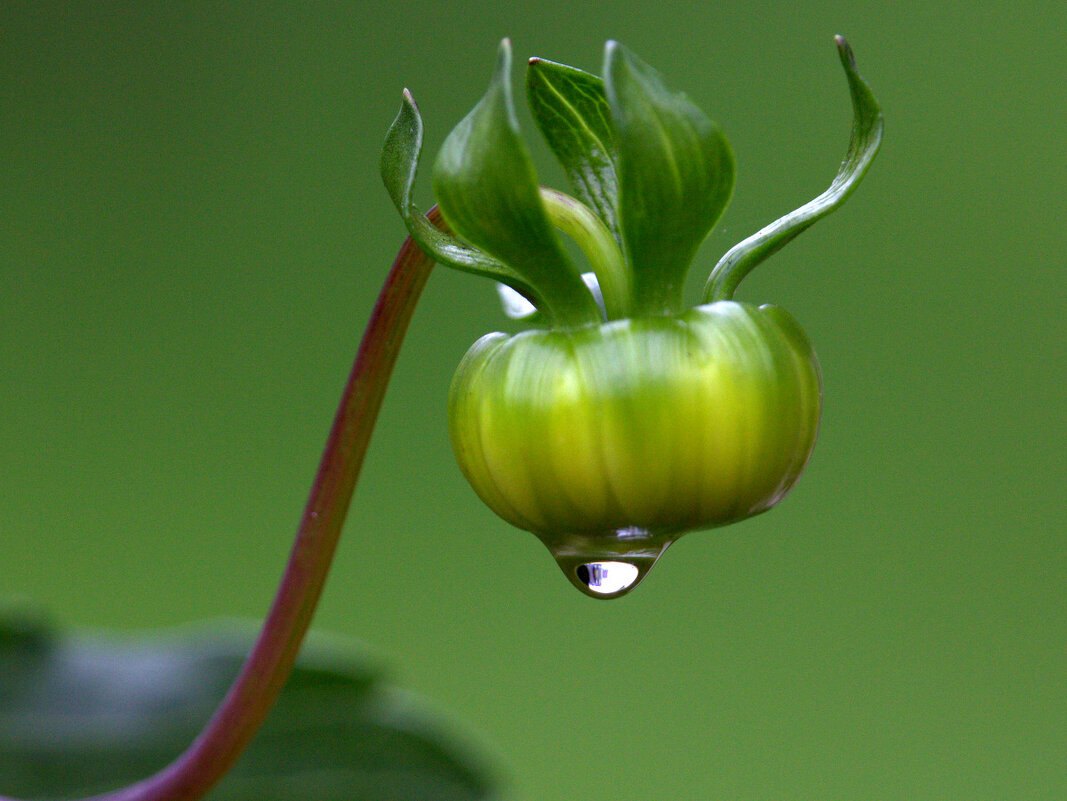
[82,715]
[571,109]
[676,173]
[486,188]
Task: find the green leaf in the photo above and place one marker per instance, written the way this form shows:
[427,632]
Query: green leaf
[82,715]
[400,162]
[486,188]
[676,173]
[571,109]
[867,130]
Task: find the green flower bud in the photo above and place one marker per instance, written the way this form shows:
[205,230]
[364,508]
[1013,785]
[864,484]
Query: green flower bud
[630,433]
[628,419]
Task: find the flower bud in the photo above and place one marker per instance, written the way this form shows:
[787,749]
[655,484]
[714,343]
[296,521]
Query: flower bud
[609,442]
[629,419]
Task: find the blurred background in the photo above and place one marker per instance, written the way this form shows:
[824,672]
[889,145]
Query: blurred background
[193,233]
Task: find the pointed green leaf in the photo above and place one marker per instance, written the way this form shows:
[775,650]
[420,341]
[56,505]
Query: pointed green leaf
[86,714]
[867,130]
[400,162]
[486,188]
[571,109]
[676,173]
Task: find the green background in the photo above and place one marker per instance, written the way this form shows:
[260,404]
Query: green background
[192,233]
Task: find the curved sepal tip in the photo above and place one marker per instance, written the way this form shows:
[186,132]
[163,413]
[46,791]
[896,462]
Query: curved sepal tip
[866,138]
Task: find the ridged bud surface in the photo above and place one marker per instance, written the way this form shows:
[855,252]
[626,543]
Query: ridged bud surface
[662,424]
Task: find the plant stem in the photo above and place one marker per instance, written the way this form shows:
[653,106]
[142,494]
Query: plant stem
[270,662]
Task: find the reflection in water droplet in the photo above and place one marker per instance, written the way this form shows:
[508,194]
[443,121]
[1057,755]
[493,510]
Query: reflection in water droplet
[607,578]
[610,564]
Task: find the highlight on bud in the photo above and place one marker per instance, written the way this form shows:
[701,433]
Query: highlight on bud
[622,419]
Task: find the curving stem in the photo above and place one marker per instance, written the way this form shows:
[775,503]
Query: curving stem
[270,662]
[578,221]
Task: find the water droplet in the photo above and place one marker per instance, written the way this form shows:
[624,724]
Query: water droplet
[607,565]
[607,578]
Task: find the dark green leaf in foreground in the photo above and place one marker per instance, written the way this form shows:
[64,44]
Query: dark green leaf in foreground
[676,173]
[82,715]
[572,111]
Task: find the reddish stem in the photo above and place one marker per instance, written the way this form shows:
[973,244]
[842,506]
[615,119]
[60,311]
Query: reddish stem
[270,662]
